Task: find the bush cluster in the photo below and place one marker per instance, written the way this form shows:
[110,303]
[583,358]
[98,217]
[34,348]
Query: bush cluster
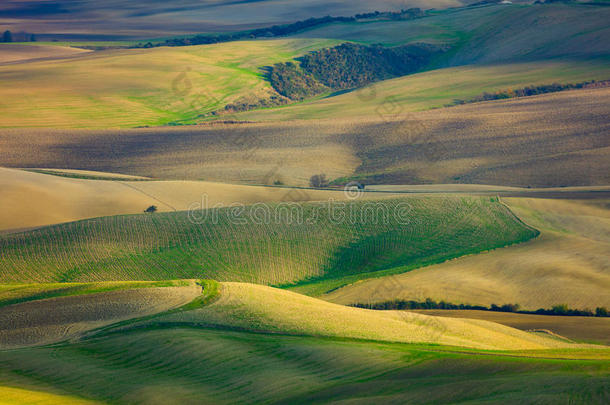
[347,66]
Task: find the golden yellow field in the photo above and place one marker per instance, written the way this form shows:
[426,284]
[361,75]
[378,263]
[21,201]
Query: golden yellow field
[265,309]
[14,396]
[567,264]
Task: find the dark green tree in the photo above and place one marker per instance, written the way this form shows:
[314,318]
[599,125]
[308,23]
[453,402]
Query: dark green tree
[7,36]
[151,209]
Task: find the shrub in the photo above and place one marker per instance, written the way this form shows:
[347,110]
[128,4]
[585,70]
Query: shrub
[318,181]
[151,209]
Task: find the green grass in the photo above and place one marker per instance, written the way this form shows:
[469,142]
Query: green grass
[312,247]
[140,87]
[194,365]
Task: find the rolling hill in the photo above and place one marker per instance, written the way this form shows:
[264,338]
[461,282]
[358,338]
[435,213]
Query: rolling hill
[569,258]
[549,140]
[325,244]
[40,322]
[265,309]
[296,352]
[185,85]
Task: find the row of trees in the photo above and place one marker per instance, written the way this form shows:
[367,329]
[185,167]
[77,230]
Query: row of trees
[429,303]
[7,36]
[534,90]
[287,29]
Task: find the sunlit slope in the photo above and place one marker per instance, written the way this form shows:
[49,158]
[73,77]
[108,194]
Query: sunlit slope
[396,98]
[136,87]
[20,396]
[266,309]
[34,199]
[268,244]
[567,264]
[549,140]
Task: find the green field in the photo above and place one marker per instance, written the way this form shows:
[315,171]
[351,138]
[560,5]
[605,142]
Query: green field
[308,243]
[211,366]
[227,356]
[137,87]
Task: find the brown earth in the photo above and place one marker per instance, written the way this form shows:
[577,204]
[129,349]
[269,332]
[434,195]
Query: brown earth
[579,328]
[56,319]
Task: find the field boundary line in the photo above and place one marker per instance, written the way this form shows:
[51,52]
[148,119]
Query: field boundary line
[147,194]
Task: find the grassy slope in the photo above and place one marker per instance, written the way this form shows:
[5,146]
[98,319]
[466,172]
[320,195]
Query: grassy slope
[11,395]
[70,199]
[567,264]
[240,248]
[131,88]
[264,309]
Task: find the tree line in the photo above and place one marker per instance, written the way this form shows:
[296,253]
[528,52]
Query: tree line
[532,91]
[283,30]
[429,303]
[8,36]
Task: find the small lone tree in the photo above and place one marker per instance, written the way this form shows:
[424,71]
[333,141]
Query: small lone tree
[151,209]
[7,36]
[318,181]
